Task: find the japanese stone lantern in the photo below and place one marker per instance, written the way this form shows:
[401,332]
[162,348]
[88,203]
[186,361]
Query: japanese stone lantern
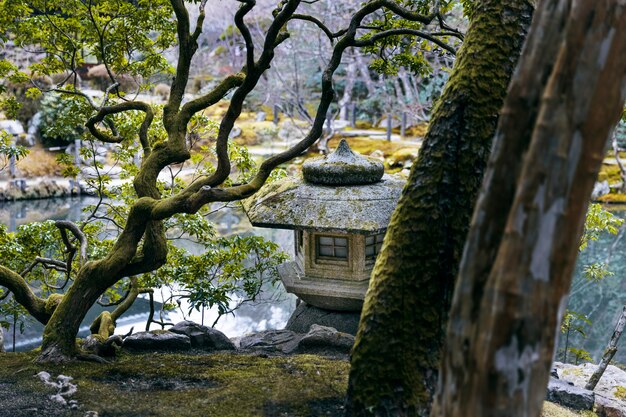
[339,212]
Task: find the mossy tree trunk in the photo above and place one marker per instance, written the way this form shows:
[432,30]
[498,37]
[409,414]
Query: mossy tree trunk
[566,97]
[397,350]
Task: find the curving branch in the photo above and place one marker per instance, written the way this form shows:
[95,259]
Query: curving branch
[24,295]
[64,226]
[216,94]
[405,31]
[200,21]
[120,108]
[245,8]
[104,324]
[47,263]
[329,34]
[187,46]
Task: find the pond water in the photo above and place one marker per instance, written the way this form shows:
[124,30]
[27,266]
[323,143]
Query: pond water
[270,311]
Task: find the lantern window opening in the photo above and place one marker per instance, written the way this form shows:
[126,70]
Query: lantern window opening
[373,245]
[331,247]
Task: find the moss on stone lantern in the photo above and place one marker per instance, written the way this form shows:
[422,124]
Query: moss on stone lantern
[339,212]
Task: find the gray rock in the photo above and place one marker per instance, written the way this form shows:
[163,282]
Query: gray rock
[12,127]
[570,396]
[322,339]
[260,116]
[607,407]
[157,340]
[203,337]
[554,373]
[284,341]
[600,189]
[307,315]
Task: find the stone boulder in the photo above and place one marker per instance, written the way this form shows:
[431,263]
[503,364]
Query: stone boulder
[307,315]
[599,189]
[157,340]
[568,395]
[203,337]
[608,407]
[284,341]
[325,340]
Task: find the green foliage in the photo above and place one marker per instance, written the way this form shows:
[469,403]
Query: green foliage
[9,150]
[580,355]
[598,221]
[575,322]
[128,36]
[62,119]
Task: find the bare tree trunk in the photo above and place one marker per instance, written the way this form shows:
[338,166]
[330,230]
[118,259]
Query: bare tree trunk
[396,355]
[622,171]
[346,98]
[519,256]
[365,73]
[609,352]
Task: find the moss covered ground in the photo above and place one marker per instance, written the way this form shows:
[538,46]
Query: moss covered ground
[181,385]
[170,385]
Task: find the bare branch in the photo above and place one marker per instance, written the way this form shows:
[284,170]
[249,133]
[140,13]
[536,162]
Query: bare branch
[331,36]
[47,263]
[404,31]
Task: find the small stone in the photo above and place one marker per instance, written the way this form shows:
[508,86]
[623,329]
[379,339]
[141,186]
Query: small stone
[284,341]
[157,341]
[326,340]
[307,315]
[203,337]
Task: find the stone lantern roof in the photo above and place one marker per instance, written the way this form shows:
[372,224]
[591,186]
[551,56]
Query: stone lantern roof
[342,191]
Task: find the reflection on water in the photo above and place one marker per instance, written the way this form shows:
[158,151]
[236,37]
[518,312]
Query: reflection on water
[271,311]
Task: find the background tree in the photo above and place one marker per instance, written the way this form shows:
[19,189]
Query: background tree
[396,355]
[128,39]
[566,97]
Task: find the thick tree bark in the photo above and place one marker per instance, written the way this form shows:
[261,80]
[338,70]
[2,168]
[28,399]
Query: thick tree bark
[396,355]
[516,270]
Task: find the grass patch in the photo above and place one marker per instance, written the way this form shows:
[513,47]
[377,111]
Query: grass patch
[613,198]
[554,410]
[39,163]
[366,146]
